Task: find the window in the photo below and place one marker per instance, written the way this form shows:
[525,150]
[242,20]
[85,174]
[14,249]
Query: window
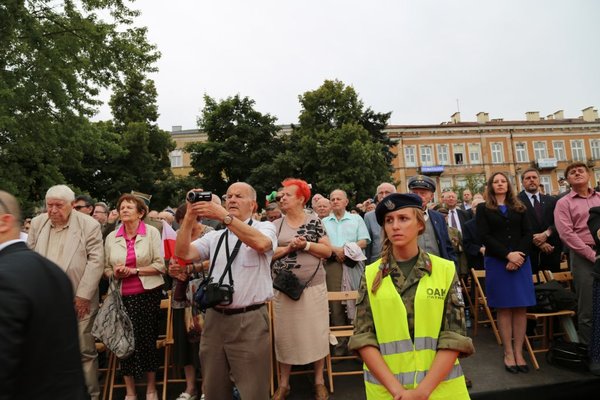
[445,184]
[458,150]
[409,156]
[521,152]
[426,155]
[475,153]
[443,154]
[176,157]
[539,150]
[497,153]
[559,150]
[546,182]
[577,150]
[461,181]
[595,145]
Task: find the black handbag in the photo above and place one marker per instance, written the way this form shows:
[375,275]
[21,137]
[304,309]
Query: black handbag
[288,283]
[568,355]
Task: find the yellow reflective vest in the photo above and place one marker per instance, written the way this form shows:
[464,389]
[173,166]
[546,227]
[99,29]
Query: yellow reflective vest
[410,360]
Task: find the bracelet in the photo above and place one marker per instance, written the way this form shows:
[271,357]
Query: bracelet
[307,247]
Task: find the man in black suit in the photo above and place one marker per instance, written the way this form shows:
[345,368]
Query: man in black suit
[39,345]
[456,216]
[546,249]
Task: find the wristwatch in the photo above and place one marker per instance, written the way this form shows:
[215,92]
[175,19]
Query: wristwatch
[228,219]
[137,271]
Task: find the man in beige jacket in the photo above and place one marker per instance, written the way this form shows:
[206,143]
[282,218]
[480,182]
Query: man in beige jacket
[74,242]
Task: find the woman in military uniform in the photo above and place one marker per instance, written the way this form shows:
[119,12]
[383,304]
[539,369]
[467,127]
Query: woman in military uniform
[410,326]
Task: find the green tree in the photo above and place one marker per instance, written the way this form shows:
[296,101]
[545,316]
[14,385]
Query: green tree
[56,56]
[240,147]
[338,143]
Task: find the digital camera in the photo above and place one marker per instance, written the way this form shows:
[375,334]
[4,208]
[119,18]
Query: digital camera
[218,294]
[195,196]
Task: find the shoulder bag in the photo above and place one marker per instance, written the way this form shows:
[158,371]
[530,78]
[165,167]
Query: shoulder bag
[113,326]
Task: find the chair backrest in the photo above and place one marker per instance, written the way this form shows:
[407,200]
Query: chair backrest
[342,296]
[565,277]
[477,275]
[167,337]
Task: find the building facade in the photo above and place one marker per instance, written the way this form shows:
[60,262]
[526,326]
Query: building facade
[456,152]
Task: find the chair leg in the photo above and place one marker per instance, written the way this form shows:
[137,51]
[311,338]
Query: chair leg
[329,372]
[531,353]
[107,376]
[166,372]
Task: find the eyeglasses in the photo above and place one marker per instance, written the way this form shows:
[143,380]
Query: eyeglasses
[97,212]
[80,207]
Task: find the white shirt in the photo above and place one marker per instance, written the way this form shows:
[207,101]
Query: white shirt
[250,271]
[452,213]
[530,195]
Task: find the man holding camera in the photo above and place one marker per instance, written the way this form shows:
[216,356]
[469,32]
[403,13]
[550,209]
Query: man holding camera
[235,339]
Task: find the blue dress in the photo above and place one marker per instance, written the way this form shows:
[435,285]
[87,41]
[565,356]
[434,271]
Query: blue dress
[508,289]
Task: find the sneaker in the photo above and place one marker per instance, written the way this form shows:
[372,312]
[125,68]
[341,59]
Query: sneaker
[187,396]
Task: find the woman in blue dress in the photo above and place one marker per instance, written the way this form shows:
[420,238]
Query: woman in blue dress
[507,236]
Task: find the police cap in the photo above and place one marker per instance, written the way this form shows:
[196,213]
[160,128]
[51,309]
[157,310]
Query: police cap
[421,181]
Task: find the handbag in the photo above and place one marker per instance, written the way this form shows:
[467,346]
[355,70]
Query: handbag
[569,355]
[288,283]
[113,326]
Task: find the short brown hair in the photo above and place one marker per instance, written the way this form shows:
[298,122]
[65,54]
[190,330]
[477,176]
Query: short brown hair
[576,164]
[142,208]
[529,170]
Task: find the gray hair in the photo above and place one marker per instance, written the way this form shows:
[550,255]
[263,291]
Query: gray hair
[62,192]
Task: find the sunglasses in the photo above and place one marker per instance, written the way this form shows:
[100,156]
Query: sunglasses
[278,198]
[80,207]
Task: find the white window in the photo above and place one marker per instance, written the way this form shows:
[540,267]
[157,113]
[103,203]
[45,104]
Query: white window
[559,150]
[595,145]
[459,153]
[546,182]
[577,150]
[445,184]
[540,150]
[409,156]
[521,152]
[461,181]
[426,155]
[443,154]
[176,157]
[497,153]
[475,153]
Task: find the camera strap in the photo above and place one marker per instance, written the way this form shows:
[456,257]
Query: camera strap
[230,257]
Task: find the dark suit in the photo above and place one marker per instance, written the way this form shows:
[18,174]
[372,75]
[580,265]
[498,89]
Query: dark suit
[539,260]
[441,235]
[472,244]
[502,234]
[463,217]
[39,345]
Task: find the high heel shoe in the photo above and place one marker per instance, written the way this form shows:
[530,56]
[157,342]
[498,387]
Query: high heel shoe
[523,368]
[513,369]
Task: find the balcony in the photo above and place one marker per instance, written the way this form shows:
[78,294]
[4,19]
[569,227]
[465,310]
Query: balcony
[546,163]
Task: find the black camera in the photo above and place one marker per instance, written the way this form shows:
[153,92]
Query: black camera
[218,294]
[195,196]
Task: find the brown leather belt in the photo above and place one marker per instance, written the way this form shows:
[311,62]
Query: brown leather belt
[233,311]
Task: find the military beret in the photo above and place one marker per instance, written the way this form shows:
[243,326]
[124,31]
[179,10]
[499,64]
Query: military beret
[396,201]
[421,181]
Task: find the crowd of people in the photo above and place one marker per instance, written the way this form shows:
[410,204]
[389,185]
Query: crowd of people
[403,252]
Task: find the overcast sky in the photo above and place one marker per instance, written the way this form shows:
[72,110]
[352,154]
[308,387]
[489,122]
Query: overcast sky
[414,58]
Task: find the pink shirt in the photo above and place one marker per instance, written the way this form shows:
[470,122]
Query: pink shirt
[570,218]
[131,285]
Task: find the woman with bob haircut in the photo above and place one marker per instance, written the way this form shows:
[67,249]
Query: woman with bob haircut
[506,235]
[410,326]
[302,243]
[132,255]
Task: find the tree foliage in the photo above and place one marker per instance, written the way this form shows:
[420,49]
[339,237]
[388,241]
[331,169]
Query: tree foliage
[338,143]
[240,147]
[56,56]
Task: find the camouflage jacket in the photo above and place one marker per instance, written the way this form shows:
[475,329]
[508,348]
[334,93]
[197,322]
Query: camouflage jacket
[453,332]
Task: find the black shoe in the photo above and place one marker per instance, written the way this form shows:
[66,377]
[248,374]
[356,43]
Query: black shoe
[523,368]
[468,383]
[512,369]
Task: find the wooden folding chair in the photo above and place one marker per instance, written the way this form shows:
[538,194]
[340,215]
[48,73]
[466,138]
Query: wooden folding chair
[481,302]
[341,332]
[165,341]
[547,329]
[101,348]
[466,288]
[564,277]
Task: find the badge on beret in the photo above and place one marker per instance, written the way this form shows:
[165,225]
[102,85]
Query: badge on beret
[390,205]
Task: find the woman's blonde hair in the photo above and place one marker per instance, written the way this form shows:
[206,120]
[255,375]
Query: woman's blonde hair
[386,246]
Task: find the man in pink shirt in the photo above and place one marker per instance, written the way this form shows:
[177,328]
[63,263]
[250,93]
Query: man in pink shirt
[570,217]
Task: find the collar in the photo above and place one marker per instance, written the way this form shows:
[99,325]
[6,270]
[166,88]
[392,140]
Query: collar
[573,193]
[69,220]
[141,230]
[422,267]
[8,243]
[332,216]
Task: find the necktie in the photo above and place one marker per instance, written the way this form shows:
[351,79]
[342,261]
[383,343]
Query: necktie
[453,219]
[537,206]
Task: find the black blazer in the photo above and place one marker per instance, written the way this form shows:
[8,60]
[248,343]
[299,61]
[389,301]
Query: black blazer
[502,234]
[472,244]
[39,345]
[538,259]
[594,225]
[463,216]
